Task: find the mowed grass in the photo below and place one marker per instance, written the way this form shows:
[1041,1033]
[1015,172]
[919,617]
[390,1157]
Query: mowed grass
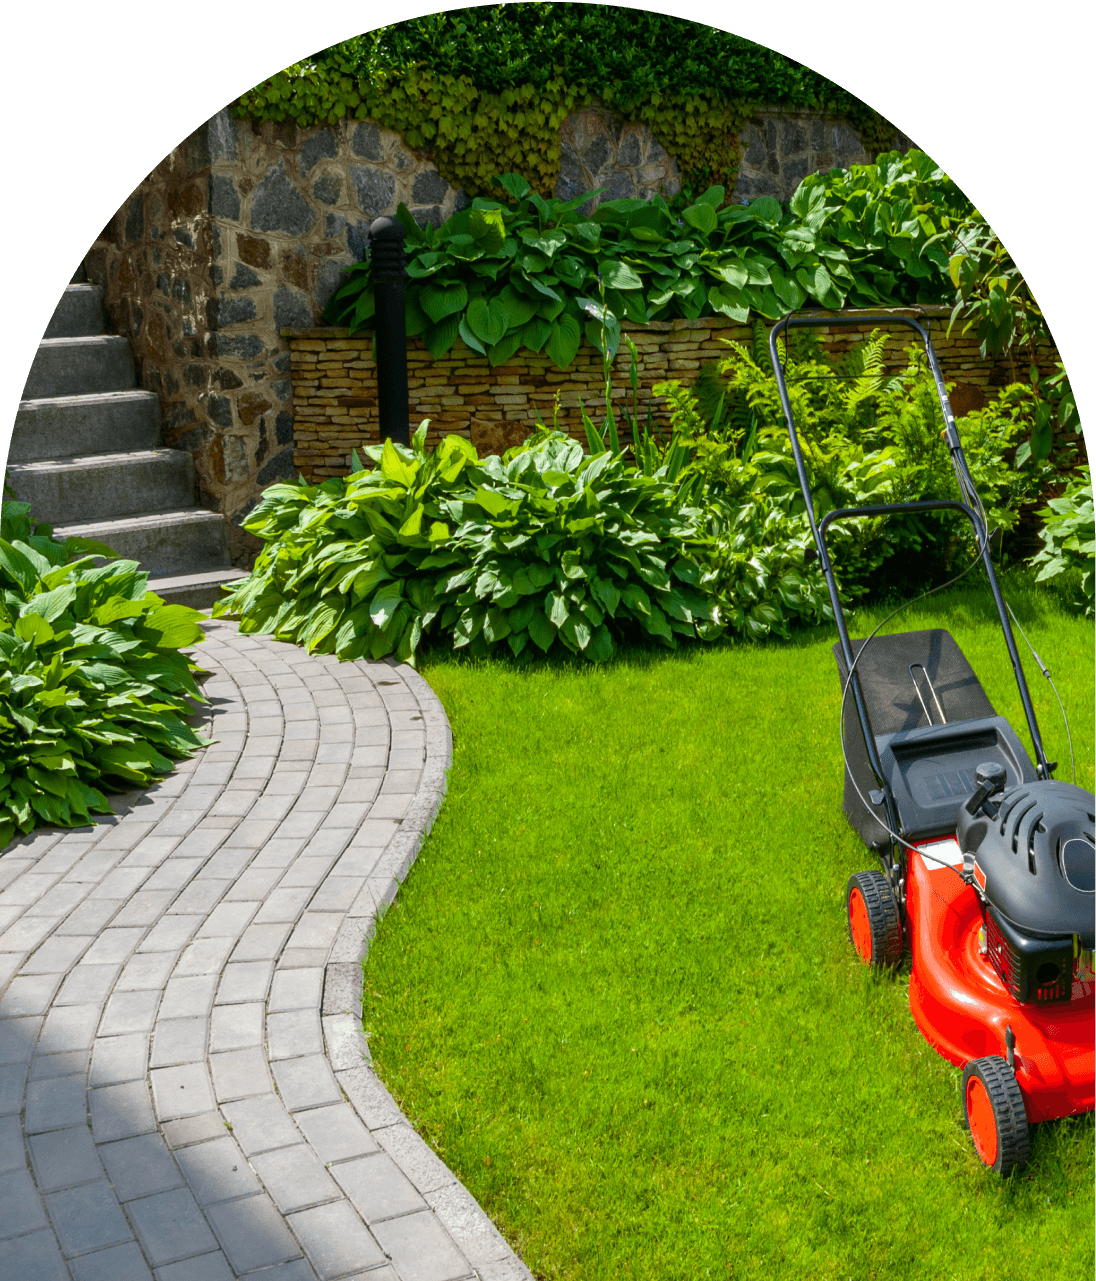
[616,992]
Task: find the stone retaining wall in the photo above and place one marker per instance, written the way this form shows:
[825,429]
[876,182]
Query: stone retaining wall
[335,384]
[243,229]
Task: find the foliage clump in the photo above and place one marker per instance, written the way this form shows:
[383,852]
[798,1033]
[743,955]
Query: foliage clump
[94,691]
[1068,539]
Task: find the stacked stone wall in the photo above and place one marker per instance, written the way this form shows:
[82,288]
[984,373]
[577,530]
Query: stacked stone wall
[243,230]
[335,383]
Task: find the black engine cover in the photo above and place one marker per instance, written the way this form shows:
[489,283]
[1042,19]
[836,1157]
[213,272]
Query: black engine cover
[1037,856]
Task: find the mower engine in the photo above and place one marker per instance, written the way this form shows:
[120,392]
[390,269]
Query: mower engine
[1030,852]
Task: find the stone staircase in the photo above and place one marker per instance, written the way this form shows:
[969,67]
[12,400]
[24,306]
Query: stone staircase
[86,454]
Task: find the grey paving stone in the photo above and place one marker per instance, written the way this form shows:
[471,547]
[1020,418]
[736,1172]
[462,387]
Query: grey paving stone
[336,893]
[12,1155]
[420,1248]
[28,995]
[335,1240]
[175,873]
[87,984]
[18,1037]
[198,846]
[345,1041]
[390,806]
[301,1270]
[509,1269]
[294,1033]
[199,897]
[87,919]
[199,798]
[95,865]
[298,824]
[204,956]
[279,852]
[206,1267]
[170,934]
[306,1082]
[261,942]
[117,1263]
[170,1226]
[357,862]
[255,884]
[120,1111]
[336,1133]
[64,1157]
[296,989]
[71,1027]
[35,1256]
[371,1100]
[261,1124]
[303,957]
[244,981]
[27,933]
[400,782]
[152,851]
[178,1041]
[71,1063]
[146,970]
[252,1233]
[226,864]
[316,929]
[307,871]
[140,1167]
[194,1129]
[129,1012]
[188,997]
[283,906]
[239,1074]
[374,833]
[295,1178]
[58,901]
[252,833]
[87,1218]
[236,1027]
[115,1059]
[228,920]
[144,908]
[114,945]
[376,1187]
[23,1209]
[316,799]
[217,1171]
[180,1091]
[272,807]
[121,883]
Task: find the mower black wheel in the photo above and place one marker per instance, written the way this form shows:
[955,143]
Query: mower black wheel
[993,1111]
[875,927]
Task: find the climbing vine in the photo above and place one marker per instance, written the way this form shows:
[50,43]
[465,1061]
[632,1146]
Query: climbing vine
[485,91]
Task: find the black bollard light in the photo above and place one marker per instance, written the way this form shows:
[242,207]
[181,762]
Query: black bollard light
[386,255]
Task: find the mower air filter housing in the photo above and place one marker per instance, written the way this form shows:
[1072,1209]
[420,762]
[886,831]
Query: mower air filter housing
[1034,860]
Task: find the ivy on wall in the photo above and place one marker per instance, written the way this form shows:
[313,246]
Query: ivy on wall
[485,91]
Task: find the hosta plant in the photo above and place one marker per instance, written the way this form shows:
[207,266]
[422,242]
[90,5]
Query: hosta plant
[547,549]
[94,691]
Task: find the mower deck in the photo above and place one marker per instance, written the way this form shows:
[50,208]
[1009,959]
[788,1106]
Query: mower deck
[962,1007]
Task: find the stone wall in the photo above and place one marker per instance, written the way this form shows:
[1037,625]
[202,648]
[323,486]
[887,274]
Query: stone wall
[242,232]
[335,384]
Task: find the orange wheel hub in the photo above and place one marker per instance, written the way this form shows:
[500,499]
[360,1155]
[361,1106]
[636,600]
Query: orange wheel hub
[983,1123]
[860,926]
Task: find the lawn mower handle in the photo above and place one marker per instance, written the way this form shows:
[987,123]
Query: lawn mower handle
[972,509]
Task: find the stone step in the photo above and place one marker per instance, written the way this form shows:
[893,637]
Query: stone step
[167,544]
[67,426]
[199,591]
[79,366]
[79,314]
[104,486]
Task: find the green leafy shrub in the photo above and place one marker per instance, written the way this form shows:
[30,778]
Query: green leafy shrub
[93,689]
[538,273]
[1069,538]
[867,438]
[544,550]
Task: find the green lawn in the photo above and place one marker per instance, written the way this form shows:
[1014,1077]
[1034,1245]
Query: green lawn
[617,996]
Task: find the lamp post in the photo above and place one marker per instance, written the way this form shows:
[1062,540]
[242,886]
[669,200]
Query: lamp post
[386,255]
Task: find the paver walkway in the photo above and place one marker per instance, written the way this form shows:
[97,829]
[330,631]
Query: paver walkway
[184,1088]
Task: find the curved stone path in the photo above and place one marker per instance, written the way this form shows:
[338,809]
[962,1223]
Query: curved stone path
[185,1092]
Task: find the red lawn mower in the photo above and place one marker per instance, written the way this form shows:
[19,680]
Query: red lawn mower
[988,863]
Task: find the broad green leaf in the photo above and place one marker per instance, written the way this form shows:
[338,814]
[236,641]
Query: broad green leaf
[502,351]
[396,469]
[618,275]
[33,628]
[541,631]
[563,342]
[514,184]
[439,301]
[701,216]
